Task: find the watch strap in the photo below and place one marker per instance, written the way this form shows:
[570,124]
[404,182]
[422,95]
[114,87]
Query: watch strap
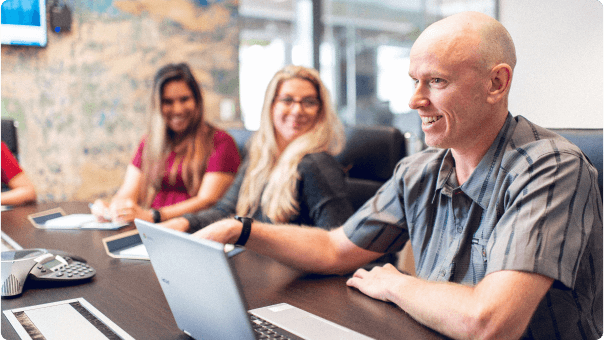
[245,230]
[156,215]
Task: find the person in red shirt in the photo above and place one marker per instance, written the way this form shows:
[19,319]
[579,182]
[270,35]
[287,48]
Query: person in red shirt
[182,165]
[21,189]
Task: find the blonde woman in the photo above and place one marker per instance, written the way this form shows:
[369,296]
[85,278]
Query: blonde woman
[182,165]
[290,175]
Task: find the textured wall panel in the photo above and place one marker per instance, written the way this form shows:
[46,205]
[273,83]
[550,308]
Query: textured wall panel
[82,101]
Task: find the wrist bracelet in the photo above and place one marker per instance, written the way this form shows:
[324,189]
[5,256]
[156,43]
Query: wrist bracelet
[245,230]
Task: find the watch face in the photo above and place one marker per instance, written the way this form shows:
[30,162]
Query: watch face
[23,254]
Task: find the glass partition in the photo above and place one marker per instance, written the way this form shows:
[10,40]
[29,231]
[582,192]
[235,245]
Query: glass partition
[363,54]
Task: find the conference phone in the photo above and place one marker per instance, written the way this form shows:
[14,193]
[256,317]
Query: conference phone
[46,267]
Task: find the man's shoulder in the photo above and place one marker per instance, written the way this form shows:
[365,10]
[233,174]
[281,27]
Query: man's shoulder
[530,142]
[421,166]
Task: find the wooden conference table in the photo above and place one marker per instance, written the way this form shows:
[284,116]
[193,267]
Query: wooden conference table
[128,293]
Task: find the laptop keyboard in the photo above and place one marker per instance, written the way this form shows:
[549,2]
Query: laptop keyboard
[266,330]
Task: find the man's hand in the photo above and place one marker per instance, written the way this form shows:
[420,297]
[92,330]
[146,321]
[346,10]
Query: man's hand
[224,231]
[377,283]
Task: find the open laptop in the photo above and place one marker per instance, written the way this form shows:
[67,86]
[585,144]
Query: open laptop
[205,297]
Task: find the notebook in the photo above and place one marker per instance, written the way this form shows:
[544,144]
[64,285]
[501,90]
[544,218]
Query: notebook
[205,297]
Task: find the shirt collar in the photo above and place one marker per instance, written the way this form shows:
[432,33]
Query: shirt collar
[479,187]
[446,170]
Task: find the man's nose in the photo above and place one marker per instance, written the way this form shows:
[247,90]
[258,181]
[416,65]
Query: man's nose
[418,99]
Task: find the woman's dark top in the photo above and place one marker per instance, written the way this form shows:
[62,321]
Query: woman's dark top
[321,195]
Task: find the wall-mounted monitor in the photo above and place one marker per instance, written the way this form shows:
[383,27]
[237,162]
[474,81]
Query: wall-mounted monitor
[23,22]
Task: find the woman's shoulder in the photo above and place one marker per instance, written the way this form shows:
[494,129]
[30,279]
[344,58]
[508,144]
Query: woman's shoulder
[318,160]
[223,140]
[221,136]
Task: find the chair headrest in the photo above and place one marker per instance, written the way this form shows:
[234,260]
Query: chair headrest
[372,152]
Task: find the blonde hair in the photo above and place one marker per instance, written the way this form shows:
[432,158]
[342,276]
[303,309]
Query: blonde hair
[192,148]
[270,179]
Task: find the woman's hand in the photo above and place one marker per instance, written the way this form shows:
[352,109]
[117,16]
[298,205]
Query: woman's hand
[124,210]
[100,210]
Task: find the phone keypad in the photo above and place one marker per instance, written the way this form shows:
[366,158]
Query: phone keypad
[74,270]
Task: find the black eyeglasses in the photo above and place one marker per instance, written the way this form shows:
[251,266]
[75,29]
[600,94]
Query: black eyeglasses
[307,103]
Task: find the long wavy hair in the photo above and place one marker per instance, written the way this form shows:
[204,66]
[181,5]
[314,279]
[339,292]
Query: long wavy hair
[192,147]
[271,177]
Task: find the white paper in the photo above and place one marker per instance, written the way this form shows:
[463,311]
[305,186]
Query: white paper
[80,221]
[136,251]
[103,225]
[73,221]
[63,322]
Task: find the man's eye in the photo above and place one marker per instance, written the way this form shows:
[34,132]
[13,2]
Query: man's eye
[438,81]
[287,100]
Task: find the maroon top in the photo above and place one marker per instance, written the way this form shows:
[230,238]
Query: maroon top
[10,166]
[224,158]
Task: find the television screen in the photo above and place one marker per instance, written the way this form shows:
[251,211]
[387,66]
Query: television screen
[23,22]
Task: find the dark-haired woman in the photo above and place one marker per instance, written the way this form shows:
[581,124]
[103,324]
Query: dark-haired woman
[182,165]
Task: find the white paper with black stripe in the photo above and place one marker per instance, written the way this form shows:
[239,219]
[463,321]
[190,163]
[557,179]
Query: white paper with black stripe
[64,320]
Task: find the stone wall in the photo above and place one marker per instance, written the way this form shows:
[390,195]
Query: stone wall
[82,101]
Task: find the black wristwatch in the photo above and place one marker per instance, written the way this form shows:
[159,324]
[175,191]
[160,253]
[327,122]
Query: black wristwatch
[156,215]
[245,231]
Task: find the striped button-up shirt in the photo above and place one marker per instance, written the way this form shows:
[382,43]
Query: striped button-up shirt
[532,204]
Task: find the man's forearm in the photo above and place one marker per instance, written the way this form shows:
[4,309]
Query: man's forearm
[309,249]
[499,307]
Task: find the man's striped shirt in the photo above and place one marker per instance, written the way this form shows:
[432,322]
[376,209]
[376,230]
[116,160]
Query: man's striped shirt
[532,204]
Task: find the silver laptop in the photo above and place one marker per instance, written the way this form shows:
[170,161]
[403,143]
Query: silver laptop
[205,297]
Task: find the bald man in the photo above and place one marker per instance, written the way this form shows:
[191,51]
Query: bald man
[504,217]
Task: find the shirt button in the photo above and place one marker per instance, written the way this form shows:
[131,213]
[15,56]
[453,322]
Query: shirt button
[459,229]
[443,273]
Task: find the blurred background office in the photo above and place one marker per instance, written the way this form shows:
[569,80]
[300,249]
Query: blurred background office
[80,102]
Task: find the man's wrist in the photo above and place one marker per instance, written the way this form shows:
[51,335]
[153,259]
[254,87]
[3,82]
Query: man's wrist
[393,292]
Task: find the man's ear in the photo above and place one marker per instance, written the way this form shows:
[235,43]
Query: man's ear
[501,79]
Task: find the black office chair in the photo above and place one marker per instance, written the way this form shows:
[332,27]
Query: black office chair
[369,158]
[9,136]
[590,142]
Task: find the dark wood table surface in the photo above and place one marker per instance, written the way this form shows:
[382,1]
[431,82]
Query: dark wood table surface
[128,293]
